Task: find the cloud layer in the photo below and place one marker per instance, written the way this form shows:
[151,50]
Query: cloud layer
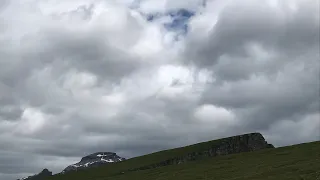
[77,77]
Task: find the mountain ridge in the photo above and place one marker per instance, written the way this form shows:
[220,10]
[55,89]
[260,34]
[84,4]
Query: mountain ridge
[229,145]
[299,161]
[43,174]
[94,160]
[89,161]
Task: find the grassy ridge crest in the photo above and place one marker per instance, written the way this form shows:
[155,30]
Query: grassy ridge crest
[293,162]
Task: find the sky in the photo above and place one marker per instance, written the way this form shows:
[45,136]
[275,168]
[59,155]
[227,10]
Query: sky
[139,76]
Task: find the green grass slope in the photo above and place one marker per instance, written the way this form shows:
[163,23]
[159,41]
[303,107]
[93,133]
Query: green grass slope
[298,162]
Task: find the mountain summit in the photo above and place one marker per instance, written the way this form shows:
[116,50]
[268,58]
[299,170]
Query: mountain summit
[94,160]
[43,174]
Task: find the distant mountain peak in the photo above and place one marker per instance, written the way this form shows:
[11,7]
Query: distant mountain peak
[44,173]
[94,160]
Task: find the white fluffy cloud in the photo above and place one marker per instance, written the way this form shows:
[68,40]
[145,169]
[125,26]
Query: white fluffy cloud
[78,77]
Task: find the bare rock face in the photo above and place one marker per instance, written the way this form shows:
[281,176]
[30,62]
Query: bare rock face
[94,160]
[241,143]
[230,145]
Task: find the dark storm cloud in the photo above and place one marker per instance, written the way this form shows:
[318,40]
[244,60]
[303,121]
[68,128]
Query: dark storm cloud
[10,112]
[9,104]
[240,23]
[262,89]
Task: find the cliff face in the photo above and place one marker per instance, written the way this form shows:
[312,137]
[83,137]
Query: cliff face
[231,145]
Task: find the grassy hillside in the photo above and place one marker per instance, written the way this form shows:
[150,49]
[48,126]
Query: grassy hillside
[298,162]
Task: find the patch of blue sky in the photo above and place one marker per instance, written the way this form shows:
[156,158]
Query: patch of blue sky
[179,20]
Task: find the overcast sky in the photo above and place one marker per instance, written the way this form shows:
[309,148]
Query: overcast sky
[137,76]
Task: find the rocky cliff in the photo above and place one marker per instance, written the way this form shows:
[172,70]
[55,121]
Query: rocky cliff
[231,145]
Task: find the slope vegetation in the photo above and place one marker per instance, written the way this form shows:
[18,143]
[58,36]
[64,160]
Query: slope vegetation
[300,162]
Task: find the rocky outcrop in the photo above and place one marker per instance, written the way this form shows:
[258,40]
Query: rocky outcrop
[43,174]
[94,160]
[231,145]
